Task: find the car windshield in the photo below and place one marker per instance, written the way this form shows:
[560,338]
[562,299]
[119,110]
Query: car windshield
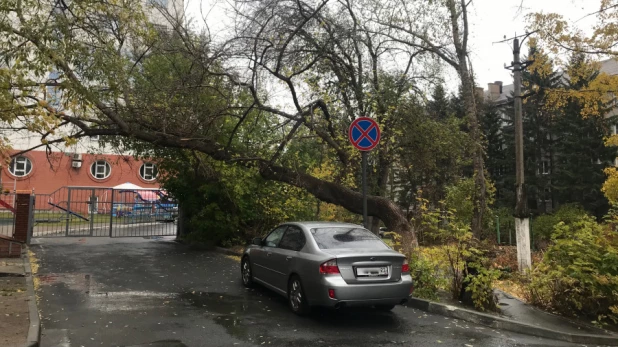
[345,237]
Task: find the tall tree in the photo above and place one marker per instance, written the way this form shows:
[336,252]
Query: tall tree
[581,154]
[500,156]
[292,77]
[431,155]
[562,38]
[538,80]
[438,107]
[442,28]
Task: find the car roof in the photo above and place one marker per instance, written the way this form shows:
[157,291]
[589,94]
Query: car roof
[318,224]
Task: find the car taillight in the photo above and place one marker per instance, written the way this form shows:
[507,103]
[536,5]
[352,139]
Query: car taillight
[405,267]
[330,267]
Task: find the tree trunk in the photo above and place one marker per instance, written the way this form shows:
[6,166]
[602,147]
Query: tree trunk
[334,193]
[460,40]
[329,192]
[480,191]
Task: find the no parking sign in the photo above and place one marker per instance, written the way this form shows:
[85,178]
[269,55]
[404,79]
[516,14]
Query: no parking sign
[364,133]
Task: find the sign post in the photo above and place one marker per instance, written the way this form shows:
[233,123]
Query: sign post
[364,134]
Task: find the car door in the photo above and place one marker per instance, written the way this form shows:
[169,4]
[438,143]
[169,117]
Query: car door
[261,256]
[283,260]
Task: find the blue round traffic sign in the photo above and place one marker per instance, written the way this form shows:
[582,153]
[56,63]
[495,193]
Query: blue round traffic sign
[364,133]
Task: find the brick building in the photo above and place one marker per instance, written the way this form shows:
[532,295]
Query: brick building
[86,163]
[45,173]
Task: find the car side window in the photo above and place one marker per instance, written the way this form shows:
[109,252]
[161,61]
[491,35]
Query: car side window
[272,240]
[294,239]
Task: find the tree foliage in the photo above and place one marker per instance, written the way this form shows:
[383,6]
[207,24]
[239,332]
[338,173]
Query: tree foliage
[275,97]
[566,124]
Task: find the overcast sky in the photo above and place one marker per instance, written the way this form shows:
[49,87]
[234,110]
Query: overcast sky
[490,21]
[493,19]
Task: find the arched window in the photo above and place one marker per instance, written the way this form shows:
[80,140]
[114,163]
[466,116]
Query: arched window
[100,169]
[20,166]
[148,171]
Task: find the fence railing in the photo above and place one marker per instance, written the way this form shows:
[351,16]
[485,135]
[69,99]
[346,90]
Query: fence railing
[505,231]
[86,211]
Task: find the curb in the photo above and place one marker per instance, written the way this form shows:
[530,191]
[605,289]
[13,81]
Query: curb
[34,330]
[510,325]
[228,251]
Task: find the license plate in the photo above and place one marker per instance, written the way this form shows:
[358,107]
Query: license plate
[372,271]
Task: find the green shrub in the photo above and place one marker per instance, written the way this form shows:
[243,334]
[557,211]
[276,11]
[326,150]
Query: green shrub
[459,201]
[426,276]
[480,285]
[543,226]
[579,272]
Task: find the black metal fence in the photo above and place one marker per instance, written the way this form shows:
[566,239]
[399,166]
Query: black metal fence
[91,211]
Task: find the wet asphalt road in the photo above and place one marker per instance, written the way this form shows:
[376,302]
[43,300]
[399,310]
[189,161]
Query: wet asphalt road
[139,292]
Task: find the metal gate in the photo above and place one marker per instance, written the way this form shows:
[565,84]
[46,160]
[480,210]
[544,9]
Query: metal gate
[104,212]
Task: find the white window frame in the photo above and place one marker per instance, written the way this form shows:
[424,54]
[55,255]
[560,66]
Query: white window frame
[614,130]
[545,167]
[16,170]
[151,167]
[100,169]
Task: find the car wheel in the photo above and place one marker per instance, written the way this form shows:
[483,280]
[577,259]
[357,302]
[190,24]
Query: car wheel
[296,297]
[384,308]
[245,269]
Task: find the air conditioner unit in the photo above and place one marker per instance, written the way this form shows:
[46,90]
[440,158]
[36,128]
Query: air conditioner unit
[77,156]
[76,164]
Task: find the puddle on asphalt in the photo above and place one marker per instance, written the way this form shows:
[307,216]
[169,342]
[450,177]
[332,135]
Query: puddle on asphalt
[162,343]
[235,313]
[249,316]
[255,313]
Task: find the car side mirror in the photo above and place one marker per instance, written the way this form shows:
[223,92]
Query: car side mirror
[257,241]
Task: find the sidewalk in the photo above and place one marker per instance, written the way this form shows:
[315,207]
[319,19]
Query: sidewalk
[518,311]
[14,321]
[517,316]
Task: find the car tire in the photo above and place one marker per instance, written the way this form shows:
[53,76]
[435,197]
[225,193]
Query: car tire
[245,272]
[384,308]
[296,297]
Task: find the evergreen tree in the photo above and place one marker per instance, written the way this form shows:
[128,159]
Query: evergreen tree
[500,159]
[580,149]
[538,134]
[439,107]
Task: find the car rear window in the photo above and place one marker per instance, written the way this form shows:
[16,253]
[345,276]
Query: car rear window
[342,237]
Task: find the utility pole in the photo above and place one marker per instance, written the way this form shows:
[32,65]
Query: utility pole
[522,215]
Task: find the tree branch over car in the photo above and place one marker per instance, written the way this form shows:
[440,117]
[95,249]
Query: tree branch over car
[291,76]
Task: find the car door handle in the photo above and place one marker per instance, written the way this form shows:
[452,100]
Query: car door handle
[288,258]
[269,254]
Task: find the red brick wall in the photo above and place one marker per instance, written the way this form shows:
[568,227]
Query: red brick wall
[53,172]
[5,245]
[22,212]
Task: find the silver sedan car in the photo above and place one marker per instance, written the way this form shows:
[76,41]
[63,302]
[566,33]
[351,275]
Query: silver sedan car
[327,264]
